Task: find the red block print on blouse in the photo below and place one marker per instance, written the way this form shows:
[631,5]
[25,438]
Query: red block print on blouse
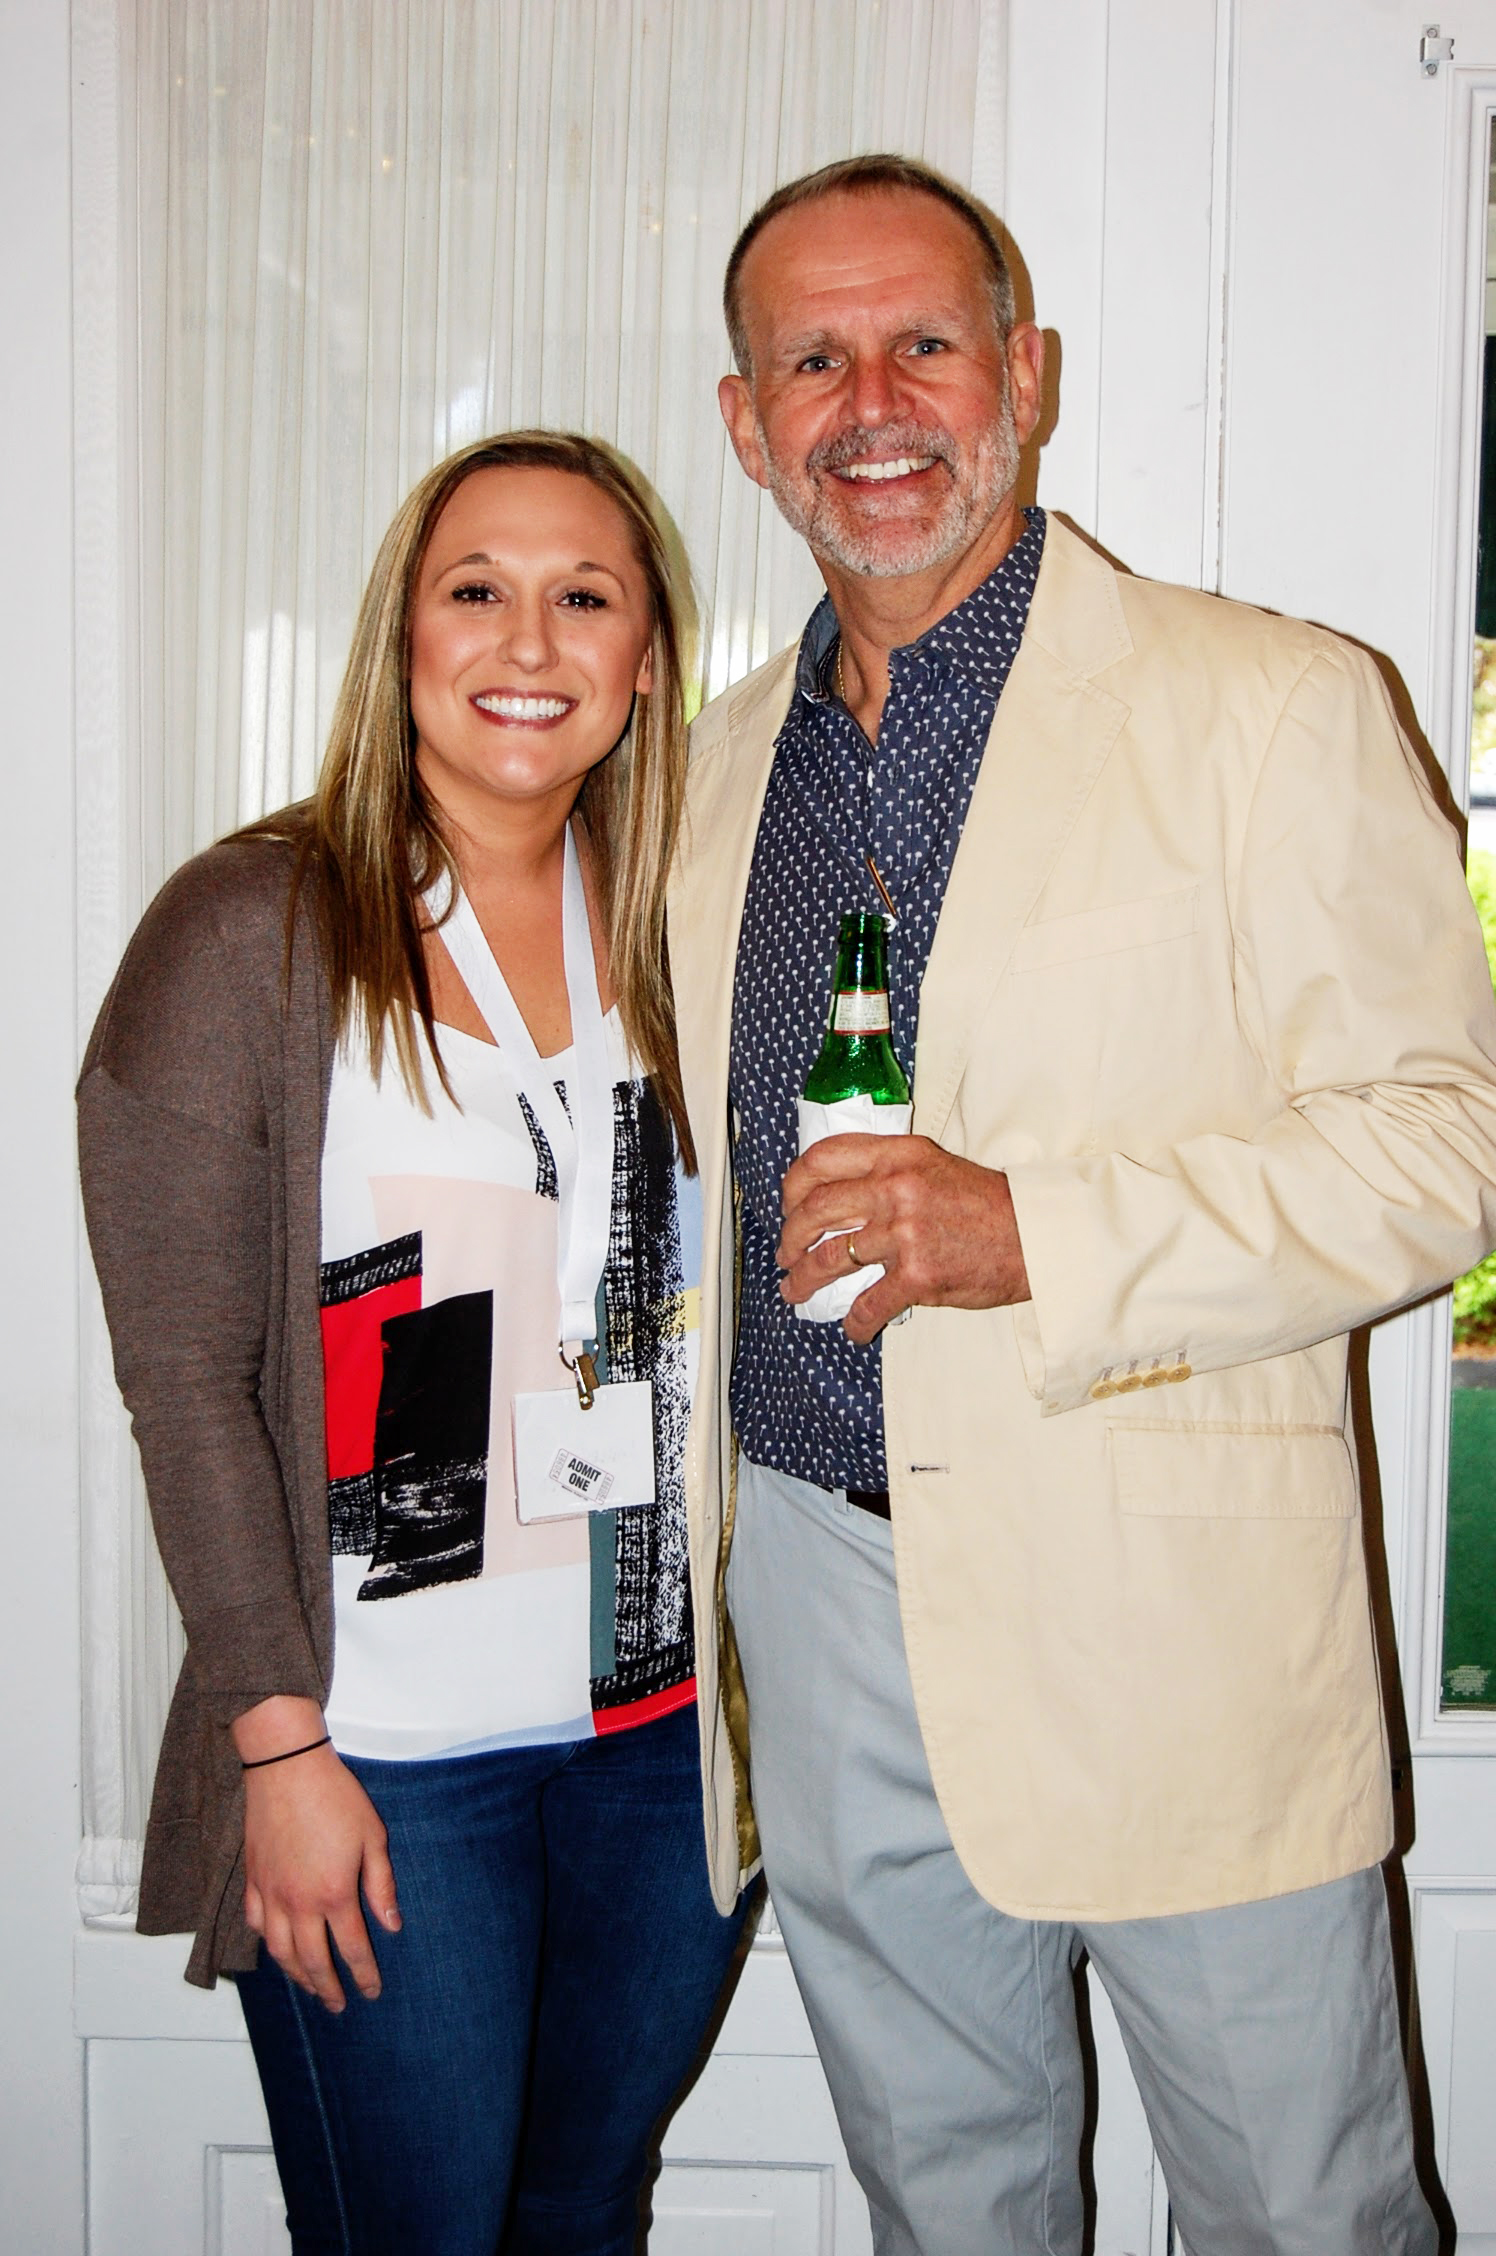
[357,1295]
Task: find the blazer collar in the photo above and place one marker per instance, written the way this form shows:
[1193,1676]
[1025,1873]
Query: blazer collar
[1076,614]
[733,752]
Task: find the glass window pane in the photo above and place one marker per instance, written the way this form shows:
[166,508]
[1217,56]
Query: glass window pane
[1468,1660]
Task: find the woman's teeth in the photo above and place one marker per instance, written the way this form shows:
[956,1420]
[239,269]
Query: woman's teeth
[525,708]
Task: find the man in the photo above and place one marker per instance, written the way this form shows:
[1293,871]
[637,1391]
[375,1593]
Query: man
[1051,1600]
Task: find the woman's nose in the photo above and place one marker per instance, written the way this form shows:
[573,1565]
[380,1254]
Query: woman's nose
[526,636]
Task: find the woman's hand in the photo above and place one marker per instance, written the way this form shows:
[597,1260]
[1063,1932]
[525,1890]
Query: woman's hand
[312,1841]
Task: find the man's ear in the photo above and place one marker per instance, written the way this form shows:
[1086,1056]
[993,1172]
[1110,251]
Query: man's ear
[1025,357]
[736,402]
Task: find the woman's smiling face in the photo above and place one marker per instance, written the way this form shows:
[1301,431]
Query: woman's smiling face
[530,636]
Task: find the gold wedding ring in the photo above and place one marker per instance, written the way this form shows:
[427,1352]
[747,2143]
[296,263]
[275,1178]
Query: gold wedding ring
[852,1253]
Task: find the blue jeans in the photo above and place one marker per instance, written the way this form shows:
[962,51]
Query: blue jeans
[542,2003]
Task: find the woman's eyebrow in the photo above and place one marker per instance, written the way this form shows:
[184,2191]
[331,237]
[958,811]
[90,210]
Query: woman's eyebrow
[461,563]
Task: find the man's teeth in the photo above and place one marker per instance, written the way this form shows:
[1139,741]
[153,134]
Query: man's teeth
[525,708]
[900,467]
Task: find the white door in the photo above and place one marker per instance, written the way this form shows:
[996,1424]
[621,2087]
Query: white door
[1260,228]
[1356,320]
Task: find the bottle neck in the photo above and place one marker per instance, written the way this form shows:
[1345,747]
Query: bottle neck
[861,956]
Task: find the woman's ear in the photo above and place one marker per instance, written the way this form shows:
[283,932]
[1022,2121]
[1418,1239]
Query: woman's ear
[646,678]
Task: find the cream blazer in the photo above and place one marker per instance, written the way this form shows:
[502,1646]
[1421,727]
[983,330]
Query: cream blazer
[1208,985]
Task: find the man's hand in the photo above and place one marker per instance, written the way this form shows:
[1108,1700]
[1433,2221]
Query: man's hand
[943,1228]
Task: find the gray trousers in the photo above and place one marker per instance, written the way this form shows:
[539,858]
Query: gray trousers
[1264,2037]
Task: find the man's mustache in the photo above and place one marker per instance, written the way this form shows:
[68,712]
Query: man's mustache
[860,445]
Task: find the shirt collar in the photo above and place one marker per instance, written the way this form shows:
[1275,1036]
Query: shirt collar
[968,641]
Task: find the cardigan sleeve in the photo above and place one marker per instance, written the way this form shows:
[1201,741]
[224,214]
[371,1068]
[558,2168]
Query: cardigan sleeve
[175,1117]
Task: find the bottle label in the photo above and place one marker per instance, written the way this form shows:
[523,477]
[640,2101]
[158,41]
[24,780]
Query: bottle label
[861,1011]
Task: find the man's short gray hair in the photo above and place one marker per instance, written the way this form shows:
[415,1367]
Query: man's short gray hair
[867,176]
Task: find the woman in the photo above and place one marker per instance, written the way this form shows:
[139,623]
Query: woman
[385,1160]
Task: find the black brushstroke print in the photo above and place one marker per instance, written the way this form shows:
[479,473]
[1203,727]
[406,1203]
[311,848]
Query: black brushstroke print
[546,1185]
[360,1273]
[431,1447]
[351,1505]
[642,1299]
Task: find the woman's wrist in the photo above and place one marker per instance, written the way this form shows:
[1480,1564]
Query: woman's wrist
[282,1725]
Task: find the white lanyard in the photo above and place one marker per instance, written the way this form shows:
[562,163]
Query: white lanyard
[582,1144]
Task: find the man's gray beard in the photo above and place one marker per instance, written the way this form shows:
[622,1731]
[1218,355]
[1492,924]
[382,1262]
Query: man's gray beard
[969,509]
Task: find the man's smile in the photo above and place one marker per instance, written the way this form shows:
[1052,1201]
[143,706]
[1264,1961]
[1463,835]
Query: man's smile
[901,466]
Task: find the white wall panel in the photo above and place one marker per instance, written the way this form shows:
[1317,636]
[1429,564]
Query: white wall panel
[1114,171]
[1057,71]
[41,2184]
[180,2161]
[1157,444]
[1455,1928]
[718,2210]
[1333,319]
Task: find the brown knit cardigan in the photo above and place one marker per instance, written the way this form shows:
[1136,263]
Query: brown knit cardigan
[202,1105]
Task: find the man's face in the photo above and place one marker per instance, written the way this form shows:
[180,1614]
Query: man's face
[882,412]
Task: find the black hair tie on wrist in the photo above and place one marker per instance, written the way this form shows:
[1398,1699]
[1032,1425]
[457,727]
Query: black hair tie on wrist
[266,1760]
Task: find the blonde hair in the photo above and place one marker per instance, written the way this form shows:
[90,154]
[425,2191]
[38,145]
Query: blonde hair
[370,840]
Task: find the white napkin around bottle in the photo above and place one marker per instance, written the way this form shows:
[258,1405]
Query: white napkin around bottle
[849,1116]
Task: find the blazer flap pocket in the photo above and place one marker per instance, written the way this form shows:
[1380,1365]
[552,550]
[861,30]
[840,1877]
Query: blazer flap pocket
[1102,932]
[1225,1472]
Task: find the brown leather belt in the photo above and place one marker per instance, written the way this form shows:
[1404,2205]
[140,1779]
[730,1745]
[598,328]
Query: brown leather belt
[873,1500]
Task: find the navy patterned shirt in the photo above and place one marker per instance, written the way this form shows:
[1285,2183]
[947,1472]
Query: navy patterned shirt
[805,1399]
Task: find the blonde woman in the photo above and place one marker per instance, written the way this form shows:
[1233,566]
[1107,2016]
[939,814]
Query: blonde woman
[388,1183]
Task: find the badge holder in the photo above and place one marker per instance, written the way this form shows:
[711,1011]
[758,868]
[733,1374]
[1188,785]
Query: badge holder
[583,1448]
[587,1446]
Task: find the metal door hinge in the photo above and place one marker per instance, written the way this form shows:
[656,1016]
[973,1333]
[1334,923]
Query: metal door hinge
[1432,50]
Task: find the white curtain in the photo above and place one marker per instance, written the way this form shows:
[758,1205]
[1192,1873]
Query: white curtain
[357,234]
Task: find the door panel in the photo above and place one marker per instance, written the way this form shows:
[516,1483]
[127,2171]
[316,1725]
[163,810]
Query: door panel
[1455,1929]
[1354,342]
[179,2151]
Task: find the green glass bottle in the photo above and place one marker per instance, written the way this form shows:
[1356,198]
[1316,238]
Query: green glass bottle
[857,1058]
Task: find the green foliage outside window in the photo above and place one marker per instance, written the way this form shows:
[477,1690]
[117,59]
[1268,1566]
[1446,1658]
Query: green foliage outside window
[1475,1293]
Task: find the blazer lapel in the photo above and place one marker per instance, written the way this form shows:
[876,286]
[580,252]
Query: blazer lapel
[709,884]
[1053,730]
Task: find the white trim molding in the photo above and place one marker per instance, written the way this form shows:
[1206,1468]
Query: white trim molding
[1471,98]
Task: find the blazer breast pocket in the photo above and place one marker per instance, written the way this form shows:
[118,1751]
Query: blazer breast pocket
[1106,931]
[1229,1472]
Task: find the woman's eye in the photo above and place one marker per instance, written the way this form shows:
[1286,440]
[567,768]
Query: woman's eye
[474,591]
[584,599]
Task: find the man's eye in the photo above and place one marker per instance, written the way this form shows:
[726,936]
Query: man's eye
[584,599]
[474,591]
[814,363]
[927,345]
